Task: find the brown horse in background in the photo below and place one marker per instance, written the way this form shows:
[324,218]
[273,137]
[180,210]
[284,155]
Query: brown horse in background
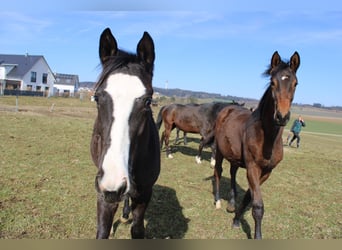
[191,118]
[253,140]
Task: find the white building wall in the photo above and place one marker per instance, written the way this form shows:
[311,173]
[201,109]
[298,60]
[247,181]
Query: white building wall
[40,67]
[61,88]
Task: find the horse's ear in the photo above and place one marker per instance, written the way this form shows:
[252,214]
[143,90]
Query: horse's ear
[145,49]
[295,61]
[108,45]
[275,60]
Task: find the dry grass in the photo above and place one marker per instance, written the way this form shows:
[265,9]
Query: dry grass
[47,178]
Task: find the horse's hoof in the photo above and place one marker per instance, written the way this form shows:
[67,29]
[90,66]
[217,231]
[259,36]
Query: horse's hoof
[236,224]
[230,208]
[218,204]
[170,156]
[198,160]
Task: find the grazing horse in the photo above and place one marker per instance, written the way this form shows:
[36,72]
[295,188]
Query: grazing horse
[192,118]
[253,140]
[125,141]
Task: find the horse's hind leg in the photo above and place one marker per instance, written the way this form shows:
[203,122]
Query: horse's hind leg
[162,138]
[138,211]
[217,174]
[200,148]
[165,137]
[233,192]
[177,136]
[213,153]
[105,216]
[205,141]
[185,138]
[167,146]
[238,213]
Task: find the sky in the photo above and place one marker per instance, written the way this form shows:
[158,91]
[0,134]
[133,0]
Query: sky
[216,46]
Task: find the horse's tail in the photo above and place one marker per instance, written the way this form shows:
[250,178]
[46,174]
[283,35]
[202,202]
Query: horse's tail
[160,117]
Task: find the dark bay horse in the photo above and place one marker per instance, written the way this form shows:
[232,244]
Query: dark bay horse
[125,141]
[253,140]
[191,118]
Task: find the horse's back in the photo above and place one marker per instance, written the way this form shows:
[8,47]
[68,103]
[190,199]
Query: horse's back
[187,117]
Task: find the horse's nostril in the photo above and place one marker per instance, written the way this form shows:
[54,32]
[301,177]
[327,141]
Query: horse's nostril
[111,197]
[282,120]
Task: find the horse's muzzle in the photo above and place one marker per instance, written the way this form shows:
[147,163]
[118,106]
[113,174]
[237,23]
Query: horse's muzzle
[281,120]
[115,196]
[111,196]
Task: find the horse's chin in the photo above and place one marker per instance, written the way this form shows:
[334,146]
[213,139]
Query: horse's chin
[280,123]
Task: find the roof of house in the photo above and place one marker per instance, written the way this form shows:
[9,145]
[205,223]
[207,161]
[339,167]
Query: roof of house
[23,63]
[66,79]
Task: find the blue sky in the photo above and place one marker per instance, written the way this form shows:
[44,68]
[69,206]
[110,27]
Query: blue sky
[214,46]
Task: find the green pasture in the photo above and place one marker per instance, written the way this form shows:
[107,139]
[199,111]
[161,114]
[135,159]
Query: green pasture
[47,181]
[316,125]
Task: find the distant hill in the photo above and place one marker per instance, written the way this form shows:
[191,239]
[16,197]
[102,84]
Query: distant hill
[198,94]
[181,93]
[89,85]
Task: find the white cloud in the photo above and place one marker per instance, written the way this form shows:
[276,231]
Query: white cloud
[20,26]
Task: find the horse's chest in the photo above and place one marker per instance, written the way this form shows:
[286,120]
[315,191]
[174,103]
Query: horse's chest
[269,161]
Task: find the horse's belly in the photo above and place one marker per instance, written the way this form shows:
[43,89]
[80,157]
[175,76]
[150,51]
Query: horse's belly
[230,149]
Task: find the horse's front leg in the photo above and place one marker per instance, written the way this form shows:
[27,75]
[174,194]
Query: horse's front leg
[105,216]
[125,210]
[138,211]
[256,177]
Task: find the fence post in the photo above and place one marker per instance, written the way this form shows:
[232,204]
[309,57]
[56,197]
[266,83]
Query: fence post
[17,101]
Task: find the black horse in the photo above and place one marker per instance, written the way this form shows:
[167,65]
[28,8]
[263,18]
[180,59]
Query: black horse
[191,118]
[125,141]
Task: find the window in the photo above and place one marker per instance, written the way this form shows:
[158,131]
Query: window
[33,76]
[38,88]
[44,79]
[29,87]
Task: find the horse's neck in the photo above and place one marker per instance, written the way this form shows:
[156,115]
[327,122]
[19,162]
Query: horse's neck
[271,131]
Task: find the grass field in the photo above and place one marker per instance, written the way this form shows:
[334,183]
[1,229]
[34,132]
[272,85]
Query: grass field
[47,181]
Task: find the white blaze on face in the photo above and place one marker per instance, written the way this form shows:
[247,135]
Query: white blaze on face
[123,89]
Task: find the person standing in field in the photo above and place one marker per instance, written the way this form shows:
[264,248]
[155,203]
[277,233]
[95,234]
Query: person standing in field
[295,129]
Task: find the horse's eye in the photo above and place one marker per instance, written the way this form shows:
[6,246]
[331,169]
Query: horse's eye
[148,101]
[96,98]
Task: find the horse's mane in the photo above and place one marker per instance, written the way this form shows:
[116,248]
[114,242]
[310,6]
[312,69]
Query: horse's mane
[118,62]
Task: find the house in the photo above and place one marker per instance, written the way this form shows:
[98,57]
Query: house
[30,74]
[66,84]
